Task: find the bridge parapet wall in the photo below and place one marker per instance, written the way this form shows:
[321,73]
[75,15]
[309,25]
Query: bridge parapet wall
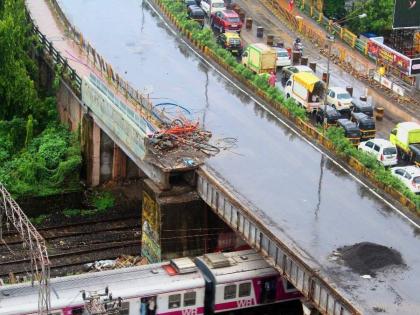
[256,233]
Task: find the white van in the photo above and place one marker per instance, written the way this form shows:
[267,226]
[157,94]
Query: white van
[212,6]
[384,151]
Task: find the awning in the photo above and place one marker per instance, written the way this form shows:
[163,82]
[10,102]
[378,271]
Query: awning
[307,79]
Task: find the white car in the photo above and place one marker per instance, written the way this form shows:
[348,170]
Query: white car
[212,6]
[384,151]
[283,58]
[339,98]
[409,175]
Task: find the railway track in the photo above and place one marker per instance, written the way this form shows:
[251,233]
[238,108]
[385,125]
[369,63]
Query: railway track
[74,258]
[71,246]
[72,229]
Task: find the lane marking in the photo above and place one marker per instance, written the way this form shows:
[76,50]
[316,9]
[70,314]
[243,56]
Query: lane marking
[292,128]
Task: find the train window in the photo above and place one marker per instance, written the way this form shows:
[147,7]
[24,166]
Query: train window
[189,298]
[290,286]
[174,301]
[244,289]
[230,292]
[77,311]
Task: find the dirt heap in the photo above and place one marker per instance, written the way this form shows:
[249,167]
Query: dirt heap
[366,258]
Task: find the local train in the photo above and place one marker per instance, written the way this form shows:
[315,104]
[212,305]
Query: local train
[211,284]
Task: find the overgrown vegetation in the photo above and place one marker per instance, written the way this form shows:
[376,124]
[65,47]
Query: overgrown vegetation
[102,200]
[343,146]
[38,156]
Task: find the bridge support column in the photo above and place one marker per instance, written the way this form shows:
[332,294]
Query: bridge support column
[119,164]
[96,155]
[177,223]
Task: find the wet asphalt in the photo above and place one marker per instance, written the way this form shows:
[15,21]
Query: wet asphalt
[306,200]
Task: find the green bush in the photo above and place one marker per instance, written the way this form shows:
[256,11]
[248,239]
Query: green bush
[382,174]
[103,200]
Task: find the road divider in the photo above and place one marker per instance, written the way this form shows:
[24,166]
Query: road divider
[332,139]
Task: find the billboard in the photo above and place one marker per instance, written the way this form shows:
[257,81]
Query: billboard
[415,66]
[384,54]
[406,14]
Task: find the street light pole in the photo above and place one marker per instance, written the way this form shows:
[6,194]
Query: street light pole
[330,39]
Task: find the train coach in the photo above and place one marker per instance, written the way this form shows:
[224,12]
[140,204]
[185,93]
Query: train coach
[213,283]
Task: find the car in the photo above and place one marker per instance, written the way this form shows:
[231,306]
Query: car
[196,13]
[226,20]
[190,2]
[212,6]
[409,175]
[286,72]
[384,151]
[339,98]
[231,41]
[283,57]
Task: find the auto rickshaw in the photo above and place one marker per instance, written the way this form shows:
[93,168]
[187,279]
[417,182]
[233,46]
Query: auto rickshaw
[351,131]
[231,41]
[366,125]
[327,116]
[363,107]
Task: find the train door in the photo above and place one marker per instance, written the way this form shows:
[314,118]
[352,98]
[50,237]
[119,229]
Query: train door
[148,305]
[209,297]
[268,290]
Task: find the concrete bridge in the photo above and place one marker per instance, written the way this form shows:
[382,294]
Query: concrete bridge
[280,193]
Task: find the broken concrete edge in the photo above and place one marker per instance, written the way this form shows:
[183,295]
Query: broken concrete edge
[311,133]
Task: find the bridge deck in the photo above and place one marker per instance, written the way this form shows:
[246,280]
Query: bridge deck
[301,197]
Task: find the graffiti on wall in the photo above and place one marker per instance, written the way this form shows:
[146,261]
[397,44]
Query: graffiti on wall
[150,242]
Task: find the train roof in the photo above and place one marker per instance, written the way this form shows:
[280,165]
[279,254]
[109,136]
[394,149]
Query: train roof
[125,283]
[237,266]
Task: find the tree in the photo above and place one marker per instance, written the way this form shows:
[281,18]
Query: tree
[378,19]
[334,9]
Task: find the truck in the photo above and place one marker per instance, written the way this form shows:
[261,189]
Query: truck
[306,89]
[406,137]
[260,58]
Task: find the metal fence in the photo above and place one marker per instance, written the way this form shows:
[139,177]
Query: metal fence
[58,59]
[141,101]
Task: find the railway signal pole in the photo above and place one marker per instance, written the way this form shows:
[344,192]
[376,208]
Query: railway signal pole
[33,241]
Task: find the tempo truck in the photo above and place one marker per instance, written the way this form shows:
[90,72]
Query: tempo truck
[306,89]
[406,137]
[260,58]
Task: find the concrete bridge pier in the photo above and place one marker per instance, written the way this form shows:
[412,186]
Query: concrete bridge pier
[177,223]
[103,159]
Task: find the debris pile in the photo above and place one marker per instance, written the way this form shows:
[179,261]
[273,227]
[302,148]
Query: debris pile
[121,262]
[182,133]
[365,258]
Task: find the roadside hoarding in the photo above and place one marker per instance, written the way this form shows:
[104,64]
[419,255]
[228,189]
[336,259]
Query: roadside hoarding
[406,14]
[384,54]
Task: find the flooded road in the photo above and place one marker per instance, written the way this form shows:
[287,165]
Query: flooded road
[306,199]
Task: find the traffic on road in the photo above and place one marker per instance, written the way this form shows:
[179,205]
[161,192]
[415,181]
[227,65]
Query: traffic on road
[301,193]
